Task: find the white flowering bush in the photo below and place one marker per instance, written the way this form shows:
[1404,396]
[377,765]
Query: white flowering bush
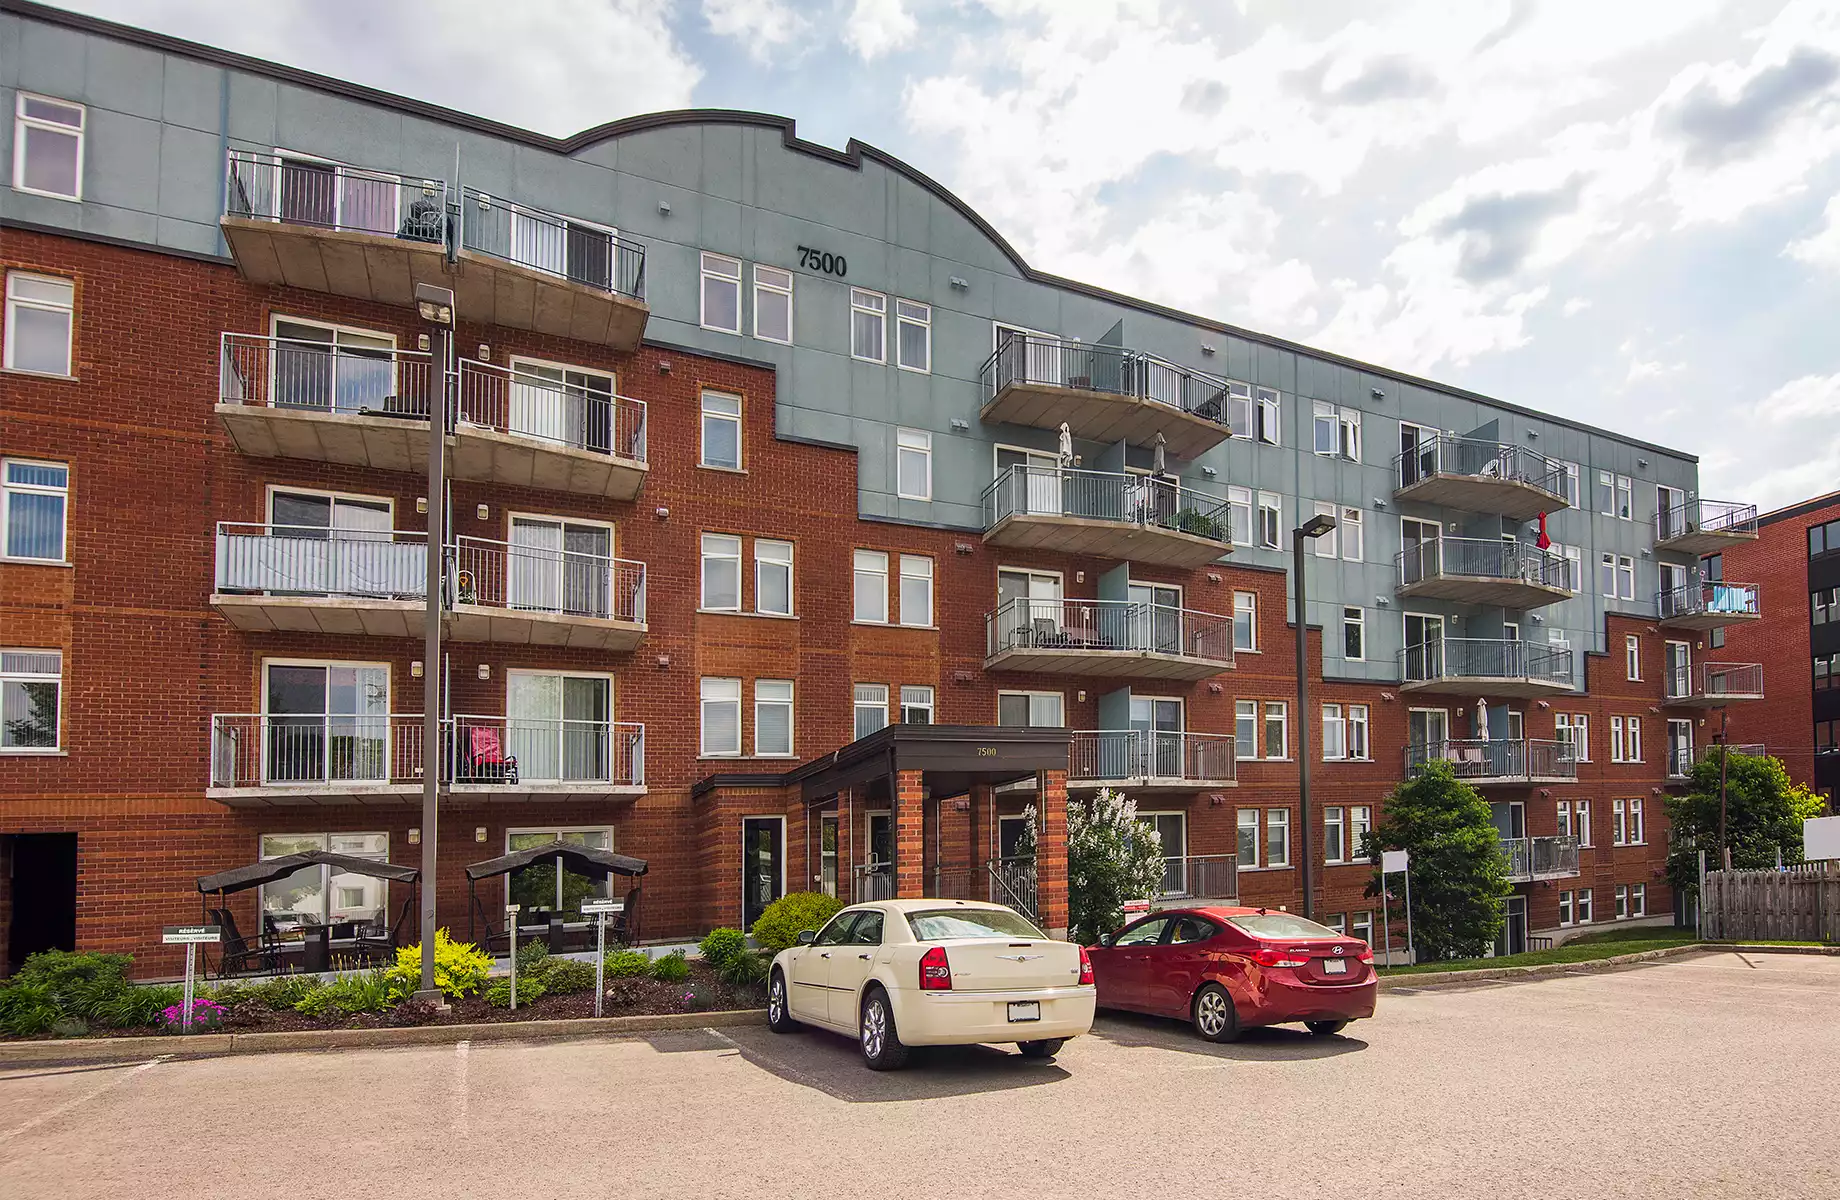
[1112,857]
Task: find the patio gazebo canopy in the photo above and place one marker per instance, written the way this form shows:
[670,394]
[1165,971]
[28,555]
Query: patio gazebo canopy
[269,870]
[582,860]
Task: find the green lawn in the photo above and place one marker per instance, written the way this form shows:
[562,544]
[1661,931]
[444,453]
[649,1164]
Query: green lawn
[1584,948]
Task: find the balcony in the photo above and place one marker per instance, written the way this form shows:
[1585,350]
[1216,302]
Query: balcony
[1714,685]
[1709,605]
[1108,638]
[1200,877]
[526,268]
[529,595]
[1485,571]
[1150,760]
[1682,759]
[310,579]
[270,760]
[1481,476]
[518,757]
[357,405]
[1484,762]
[1486,667]
[351,231]
[1135,518]
[1530,859]
[1705,526]
[563,435]
[1104,393]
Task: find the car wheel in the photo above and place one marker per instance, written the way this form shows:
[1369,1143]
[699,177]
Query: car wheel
[1046,1048]
[779,1013]
[881,1042]
[1325,1028]
[1213,1014]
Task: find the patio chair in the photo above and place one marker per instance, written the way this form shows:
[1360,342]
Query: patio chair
[236,953]
[624,926]
[1044,631]
[380,947]
[487,760]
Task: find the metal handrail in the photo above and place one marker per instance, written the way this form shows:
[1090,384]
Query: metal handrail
[1485,658]
[1483,558]
[1715,679]
[311,560]
[546,750]
[1029,358]
[1201,876]
[521,403]
[1705,516]
[1496,758]
[538,579]
[1160,502]
[1476,458]
[1695,599]
[1013,881]
[1150,754]
[1135,626]
[282,372]
[872,881]
[250,750]
[303,191]
[545,241]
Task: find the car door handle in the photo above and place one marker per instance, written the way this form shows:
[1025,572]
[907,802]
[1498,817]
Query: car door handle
[864,957]
[826,954]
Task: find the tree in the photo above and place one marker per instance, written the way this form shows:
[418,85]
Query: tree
[1112,857]
[1459,873]
[1764,811]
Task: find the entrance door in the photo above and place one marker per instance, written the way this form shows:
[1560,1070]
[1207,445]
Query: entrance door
[1424,647]
[763,865]
[1156,617]
[1157,724]
[1513,936]
[827,854]
[43,891]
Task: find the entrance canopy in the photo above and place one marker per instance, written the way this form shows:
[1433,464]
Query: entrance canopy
[950,758]
[581,860]
[269,870]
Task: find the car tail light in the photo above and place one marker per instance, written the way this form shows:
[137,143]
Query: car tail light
[1367,954]
[1085,966]
[935,971]
[1277,956]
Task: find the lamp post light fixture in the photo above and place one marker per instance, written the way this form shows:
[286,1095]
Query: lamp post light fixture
[1310,530]
[436,305]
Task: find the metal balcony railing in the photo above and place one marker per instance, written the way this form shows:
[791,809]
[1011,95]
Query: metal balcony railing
[311,560]
[545,241]
[1682,759]
[1201,877]
[1483,558]
[547,579]
[1477,459]
[1540,857]
[251,750]
[1029,358]
[1709,681]
[1496,758]
[1697,599]
[1706,516]
[577,410]
[527,750]
[302,191]
[344,376]
[1122,754]
[1075,625]
[1158,502]
[1486,658]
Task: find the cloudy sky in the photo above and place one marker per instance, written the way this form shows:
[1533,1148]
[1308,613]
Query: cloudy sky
[1622,211]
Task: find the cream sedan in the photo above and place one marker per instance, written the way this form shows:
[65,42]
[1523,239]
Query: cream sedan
[901,973]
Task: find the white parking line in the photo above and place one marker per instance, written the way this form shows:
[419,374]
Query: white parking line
[457,1096]
[60,1110]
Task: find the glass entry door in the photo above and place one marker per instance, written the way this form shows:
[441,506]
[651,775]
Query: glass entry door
[763,865]
[1513,936]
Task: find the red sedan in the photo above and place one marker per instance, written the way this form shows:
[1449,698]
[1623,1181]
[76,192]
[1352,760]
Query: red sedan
[1230,969]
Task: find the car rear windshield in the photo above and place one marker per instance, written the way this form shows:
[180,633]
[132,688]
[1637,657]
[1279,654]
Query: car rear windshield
[1281,925]
[947,924]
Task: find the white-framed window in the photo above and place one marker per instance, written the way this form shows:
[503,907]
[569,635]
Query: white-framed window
[1337,922]
[1324,546]
[1239,515]
[1632,658]
[1360,824]
[1248,837]
[913,336]
[40,314]
[1574,565]
[34,504]
[721,431]
[916,589]
[772,304]
[1335,734]
[1638,900]
[1626,823]
[1564,813]
[1619,834]
[1362,926]
[1246,729]
[1277,837]
[1616,741]
[1335,833]
[48,146]
[1582,903]
[721,573]
[1606,494]
[1625,577]
[872,588]
[773,718]
[320,895]
[1571,483]
[913,464]
[1565,909]
[1357,732]
[1271,520]
[31,700]
[1606,575]
[870,705]
[721,718]
[1574,729]
[1632,739]
[1277,730]
[1031,708]
[1622,902]
[1625,493]
[1581,822]
[868,326]
[1246,621]
[1337,431]
[1354,634]
[1352,529]
[916,705]
[1324,427]
[1266,400]
[773,577]
[721,306]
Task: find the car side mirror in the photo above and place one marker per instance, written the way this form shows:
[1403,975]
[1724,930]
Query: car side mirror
[806,936]
[1105,939]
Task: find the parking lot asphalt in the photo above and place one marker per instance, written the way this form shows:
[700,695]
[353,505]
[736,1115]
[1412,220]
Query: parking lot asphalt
[1709,1075]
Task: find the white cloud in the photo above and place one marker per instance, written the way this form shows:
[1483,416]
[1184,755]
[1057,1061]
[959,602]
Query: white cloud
[1822,247]
[877,27]
[1803,398]
[1575,305]
[763,27]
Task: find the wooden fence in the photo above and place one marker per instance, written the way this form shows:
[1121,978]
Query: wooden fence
[1801,903]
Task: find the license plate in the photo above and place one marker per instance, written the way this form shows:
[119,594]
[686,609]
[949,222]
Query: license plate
[1335,966]
[1025,1010]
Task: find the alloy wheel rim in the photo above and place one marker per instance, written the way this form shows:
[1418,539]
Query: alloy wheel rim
[875,1022]
[776,999]
[1212,1013]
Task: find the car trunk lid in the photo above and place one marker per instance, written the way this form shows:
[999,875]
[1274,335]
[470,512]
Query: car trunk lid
[1001,964]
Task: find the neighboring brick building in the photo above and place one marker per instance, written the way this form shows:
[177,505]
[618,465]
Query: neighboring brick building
[723,505]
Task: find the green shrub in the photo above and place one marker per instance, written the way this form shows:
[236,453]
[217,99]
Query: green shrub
[784,919]
[672,968]
[138,1007]
[532,959]
[81,985]
[746,969]
[627,964]
[720,945]
[282,992]
[369,992]
[28,1008]
[499,994]
[460,968]
[565,977]
[70,1027]
[227,994]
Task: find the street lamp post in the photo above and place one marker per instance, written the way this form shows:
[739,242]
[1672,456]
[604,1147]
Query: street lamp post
[436,305]
[1310,530]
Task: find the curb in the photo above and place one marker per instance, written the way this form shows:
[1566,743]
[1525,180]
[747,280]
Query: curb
[1587,966]
[83,1051]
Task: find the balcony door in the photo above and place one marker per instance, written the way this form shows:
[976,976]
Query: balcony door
[325,722]
[1420,540]
[1680,746]
[1034,355]
[561,566]
[1669,512]
[1678,657]
[1417,453]
[1156,617]
[1033,491]
[565,405]
[332,369]
[1510,819]
[1674,597]
[1157,723]
[560,726]
[1029,609]
[1172,827]
[1424,654]
[1427,732]
[328,545]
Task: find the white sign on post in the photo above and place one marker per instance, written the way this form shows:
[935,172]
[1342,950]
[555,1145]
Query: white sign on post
[1821,838]
[600,910]
[191,937]
[511,912]
[1393,861]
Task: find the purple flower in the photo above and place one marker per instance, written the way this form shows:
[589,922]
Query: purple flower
[205,1014]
